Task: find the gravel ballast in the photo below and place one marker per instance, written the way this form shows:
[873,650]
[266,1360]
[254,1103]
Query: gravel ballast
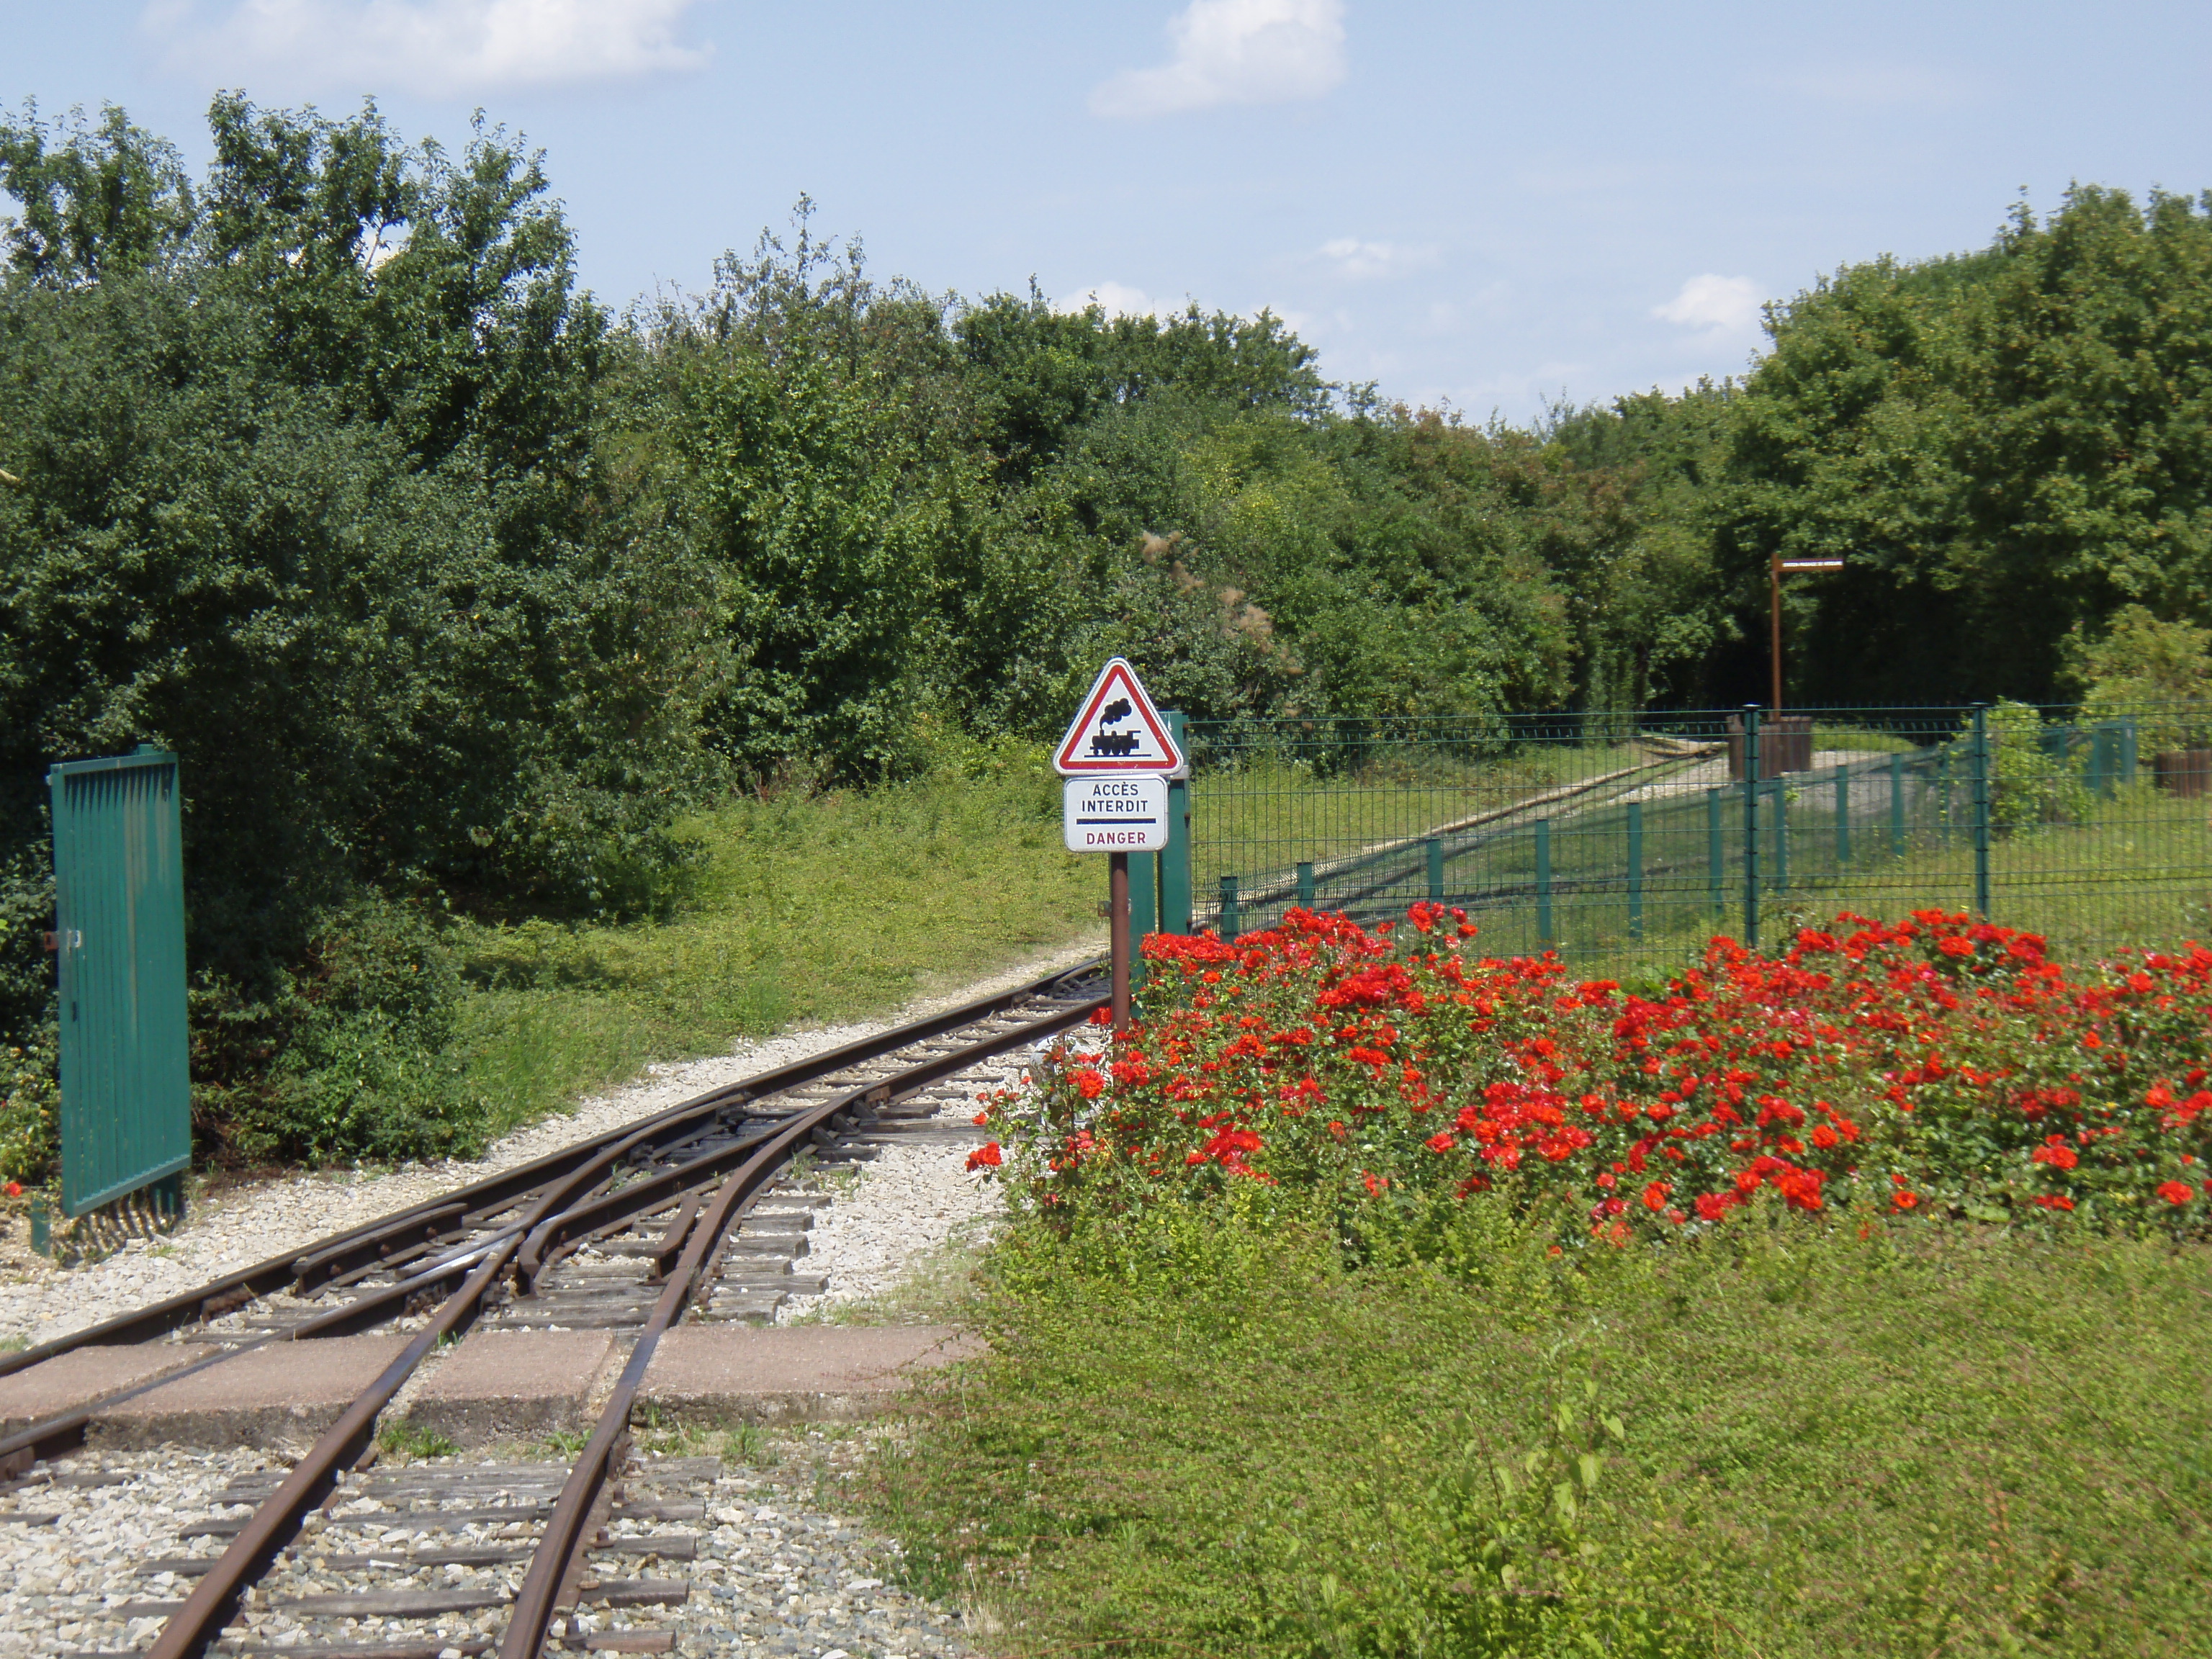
[777,1571]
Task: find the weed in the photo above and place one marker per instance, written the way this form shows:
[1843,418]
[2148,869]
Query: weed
[750,1445]
[567,1443]
[407,1438]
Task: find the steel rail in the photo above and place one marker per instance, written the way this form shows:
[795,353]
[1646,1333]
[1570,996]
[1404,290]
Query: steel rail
[357,1246]
[214,1601]
[532,1611]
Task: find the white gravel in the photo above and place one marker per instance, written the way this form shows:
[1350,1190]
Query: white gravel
[40,1301]
[908,1204]
[913,1209]
[65,1584]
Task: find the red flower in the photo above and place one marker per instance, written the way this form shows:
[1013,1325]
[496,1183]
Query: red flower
[1901,1200]
[2176,1192]
[1957,947]
[1102,1015]
[1439,1143]
[986,1156]
[1655,1196]
[2052,1200]
[15,1189]
[2055,1152]
[981,1119]
[1089,1084]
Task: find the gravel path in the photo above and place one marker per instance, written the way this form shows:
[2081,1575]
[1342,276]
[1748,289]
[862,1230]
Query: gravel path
[40,1301]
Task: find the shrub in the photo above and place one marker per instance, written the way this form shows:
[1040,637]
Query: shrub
[2029,785]
[357,1058]
[1933,1066]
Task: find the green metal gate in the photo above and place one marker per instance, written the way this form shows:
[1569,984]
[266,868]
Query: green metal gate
[119,928]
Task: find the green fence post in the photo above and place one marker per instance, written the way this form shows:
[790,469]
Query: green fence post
[1305,886]
[1780,836]
[1943,796]
[1175,863]
[1751,825]
[1980,759]
[1636,871]
[1896,806]
[1228,918]
[1715,853]
[2128,748]
[1435,847]
[1544,883]
[1143,910]
[1842,814]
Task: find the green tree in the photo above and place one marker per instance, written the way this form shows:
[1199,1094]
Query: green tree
[2002,446]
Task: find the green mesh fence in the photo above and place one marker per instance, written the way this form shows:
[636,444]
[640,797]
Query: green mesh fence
[1615,839]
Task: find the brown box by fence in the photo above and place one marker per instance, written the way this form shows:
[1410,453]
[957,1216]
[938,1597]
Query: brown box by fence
[1785,745]
[2183,771]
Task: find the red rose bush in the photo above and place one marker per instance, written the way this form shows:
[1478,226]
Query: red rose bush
[1933,1066]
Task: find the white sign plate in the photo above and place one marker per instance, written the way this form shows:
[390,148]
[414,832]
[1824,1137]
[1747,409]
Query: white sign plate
[1115,815]
[1118,731]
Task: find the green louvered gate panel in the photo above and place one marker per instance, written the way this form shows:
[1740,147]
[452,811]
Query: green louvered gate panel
[119,922]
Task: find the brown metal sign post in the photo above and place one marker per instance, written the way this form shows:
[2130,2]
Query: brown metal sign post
[1781,567]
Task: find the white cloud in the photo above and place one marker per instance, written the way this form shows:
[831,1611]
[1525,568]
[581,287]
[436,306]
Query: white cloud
[1358,260]
[430,47]
[1235,52]
[1716,305]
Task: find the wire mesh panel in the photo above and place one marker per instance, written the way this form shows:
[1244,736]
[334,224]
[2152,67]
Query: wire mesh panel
[1615,840]
[120,935]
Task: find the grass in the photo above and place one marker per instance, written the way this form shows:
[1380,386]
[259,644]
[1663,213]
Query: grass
[825,907]
[1791,1441]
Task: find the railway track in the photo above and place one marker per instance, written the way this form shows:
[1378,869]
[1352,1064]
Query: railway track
[683,1214]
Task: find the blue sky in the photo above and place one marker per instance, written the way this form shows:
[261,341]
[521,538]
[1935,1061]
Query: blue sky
[1489,205]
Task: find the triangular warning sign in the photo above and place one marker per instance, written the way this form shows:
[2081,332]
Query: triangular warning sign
[1118,730]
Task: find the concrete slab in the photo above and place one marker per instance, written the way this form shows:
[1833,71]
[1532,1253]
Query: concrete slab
[83,1374]
[792,1373]
[278,1397]
[503,1385]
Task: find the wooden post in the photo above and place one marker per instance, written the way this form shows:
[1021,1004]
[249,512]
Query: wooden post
[1117,910]
[1774,579]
